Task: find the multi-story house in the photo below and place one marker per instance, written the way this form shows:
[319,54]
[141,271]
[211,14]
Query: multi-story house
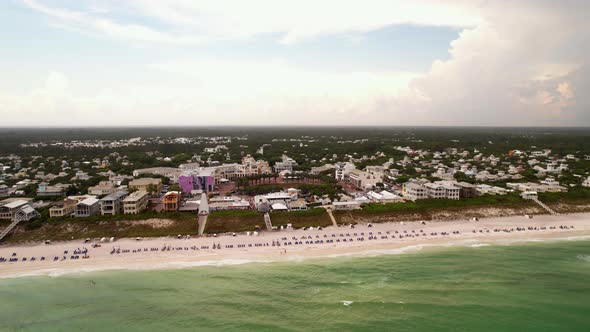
[103,188]
[88,207]
[171,201]
[64,208]
[135,203]
[113,203]
[414,191]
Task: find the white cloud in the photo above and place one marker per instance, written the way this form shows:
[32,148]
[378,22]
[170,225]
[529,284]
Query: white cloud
[514,63]
[197,21]
[88,23]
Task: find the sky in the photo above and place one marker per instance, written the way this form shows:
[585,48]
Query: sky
[72,63]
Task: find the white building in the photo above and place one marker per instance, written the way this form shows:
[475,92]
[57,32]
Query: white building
[442,190]
[342,170]
[384,197]
[286,164]
[135,203]
[414,191]
[586,182]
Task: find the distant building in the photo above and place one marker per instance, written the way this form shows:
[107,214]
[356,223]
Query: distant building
[320,169]
[342,169]
[366,179]
[586,182]
[103,188]
[150,185]
[46,190]
[286,164]
[188,183]
[169,172]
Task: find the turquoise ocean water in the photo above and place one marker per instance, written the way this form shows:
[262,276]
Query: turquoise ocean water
[519,287]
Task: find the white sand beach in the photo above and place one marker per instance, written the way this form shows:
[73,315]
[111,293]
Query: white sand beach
[159,253]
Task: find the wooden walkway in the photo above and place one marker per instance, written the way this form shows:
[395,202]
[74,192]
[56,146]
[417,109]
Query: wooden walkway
[9,228]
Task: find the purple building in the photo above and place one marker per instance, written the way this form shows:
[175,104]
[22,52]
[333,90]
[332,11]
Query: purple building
[189,183]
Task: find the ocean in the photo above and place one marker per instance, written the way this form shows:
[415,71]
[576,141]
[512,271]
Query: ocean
[542,286]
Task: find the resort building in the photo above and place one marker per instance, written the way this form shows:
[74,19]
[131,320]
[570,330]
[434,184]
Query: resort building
[171,201]
[112,204]
[342,170]
[414,191]
[135,203]
[365,179]
[286,164]
[87,207]
[442,190]
[150,185]
[189,183]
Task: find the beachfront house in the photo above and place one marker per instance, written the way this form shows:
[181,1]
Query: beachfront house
[113,203]
[171,201]
[8,210]
[26,213]
[87,207]
[135,203]
[64,208]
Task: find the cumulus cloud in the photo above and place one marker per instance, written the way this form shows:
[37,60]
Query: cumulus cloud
[513,63]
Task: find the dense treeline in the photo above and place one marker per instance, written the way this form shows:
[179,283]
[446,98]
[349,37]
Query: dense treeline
[302,144]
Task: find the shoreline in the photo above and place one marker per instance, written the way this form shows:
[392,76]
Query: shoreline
[330,242]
